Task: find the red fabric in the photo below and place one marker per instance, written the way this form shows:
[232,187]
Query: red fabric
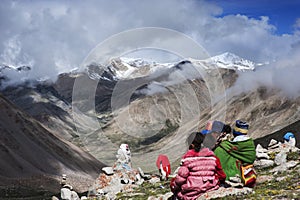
[200,172]
[164,160]
[206,152]
[220,174]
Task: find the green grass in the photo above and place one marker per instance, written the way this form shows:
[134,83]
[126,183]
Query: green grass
[146,190]
[287,188]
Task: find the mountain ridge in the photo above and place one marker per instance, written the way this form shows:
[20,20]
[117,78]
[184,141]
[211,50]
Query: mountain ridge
[33,157]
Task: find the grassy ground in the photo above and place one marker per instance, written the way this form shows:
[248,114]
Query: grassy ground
[146,190]
[285,185]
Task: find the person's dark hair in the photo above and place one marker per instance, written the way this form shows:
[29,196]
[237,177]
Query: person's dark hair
[197,141]
[226,129]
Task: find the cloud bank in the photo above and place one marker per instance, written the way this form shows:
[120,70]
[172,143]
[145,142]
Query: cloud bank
[56,36]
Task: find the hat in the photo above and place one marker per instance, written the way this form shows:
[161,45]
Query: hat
[240,128]
[213,126]
[205,131]
[288,135]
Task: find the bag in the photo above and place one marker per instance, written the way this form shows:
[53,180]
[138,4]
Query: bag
[248,175]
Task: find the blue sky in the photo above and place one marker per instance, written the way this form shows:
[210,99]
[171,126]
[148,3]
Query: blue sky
[282,13]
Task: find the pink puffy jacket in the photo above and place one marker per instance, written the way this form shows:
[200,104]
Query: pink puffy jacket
[197,175]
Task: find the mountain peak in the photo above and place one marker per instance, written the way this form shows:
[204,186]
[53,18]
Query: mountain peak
[232,61]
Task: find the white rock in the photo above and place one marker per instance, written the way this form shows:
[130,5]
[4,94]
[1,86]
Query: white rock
[223,192]
[263,163]
[280,158]
[292,164]
[154,180]
[284,167]
[261,155]
[273,142]
[260,149]
[108,170]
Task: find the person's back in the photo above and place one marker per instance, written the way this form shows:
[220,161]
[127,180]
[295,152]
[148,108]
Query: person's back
[236,153]
[200,172]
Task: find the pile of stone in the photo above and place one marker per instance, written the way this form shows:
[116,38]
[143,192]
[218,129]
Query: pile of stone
[275,155]
[121,177]
[112,181]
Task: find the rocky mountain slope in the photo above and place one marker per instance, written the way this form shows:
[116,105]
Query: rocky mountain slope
[163,108]
[33,159]
[166,102]
[160,91]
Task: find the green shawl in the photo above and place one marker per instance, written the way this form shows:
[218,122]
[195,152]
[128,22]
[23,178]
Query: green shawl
[233,154]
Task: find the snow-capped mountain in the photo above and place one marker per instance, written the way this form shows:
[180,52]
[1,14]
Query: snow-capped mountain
[7,71]
[18,69]
[128,68]
[231,61]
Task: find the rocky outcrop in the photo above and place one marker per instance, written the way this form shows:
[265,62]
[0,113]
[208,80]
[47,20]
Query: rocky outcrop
[275,155]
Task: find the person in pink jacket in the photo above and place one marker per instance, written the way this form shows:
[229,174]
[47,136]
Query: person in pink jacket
[200,171]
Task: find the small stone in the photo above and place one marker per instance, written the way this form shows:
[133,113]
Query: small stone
[273,142]
[260,149]
[261,155]
[280,158]
[108,170]
[263,163]
[154,180]
[292,164]
[279,179]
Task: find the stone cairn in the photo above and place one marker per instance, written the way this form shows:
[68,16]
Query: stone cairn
[275,155]
[121,177]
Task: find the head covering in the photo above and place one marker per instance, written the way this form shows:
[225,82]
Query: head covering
[240,128]
[205,131]
[213,126]
[197,142]
[191,138]
[288,135]
[198,139]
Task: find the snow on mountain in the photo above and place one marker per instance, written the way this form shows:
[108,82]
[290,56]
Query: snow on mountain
[17,72]
[137,62]
[128,68]
[18,69]
[231,61]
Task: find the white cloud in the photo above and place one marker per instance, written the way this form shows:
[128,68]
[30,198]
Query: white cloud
[297,27]
[57,35]
[282,74]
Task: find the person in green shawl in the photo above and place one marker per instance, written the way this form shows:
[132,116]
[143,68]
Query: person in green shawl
[238,152]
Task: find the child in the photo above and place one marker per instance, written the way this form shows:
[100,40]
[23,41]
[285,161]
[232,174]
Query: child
[200,171]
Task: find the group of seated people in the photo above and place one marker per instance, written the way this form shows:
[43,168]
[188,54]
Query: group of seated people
[215,157]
